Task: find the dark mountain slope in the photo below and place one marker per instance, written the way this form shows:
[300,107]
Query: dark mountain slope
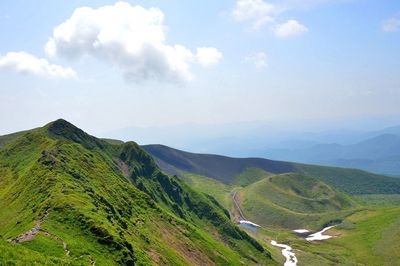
[227,169]
[69,198]
[219,167]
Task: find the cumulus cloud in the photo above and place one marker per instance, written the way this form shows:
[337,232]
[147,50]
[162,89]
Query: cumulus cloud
[260,13]
[290,28]
[207,56]
[130,37]
[25,63]
[257,12]
[259,60]
[391,25]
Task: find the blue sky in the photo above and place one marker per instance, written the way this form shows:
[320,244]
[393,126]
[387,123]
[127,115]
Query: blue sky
[285,60]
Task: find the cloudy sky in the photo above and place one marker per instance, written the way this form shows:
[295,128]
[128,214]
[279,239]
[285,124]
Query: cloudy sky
[106,65]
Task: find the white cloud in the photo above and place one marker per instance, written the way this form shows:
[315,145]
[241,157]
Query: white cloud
[258,59]
[207,56]
[260,13]
[132,38]
[289,29]
[391,25]
[257,12]
[22,62]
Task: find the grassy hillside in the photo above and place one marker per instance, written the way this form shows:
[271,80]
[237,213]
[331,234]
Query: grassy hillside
[364,235]
[308,197]
[69,198]
[368,237]
[7,138]
[293,201]
[352,181]
[222,168]
[227,170]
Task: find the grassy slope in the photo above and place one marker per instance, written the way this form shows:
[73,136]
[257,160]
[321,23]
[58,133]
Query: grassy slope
[226,170]
[352,181]
[380,199]
[212,187]
[293,201]
[86,186]
[7,138]
[221,168]
[279,201]
[368,235]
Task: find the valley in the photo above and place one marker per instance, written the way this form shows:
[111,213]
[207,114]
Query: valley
[332,225]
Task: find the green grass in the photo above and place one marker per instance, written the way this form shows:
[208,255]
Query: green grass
[46,245]
[13,254]
[244,171]
[369,237]
[380,199]
[250,176]
[293,201]
[311,197]
[109,202]
[212,187]
[352,181]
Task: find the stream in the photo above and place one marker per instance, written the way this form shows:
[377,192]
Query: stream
[287,251]
[290,256]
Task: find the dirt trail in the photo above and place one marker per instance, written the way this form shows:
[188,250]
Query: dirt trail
[92,262]
[66,249]
[31,234]
[237,206]
[287,251]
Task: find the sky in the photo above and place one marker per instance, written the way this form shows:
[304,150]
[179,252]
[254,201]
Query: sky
[106,65]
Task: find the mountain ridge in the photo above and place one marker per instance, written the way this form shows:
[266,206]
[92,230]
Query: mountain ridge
[226,169]
[82,200]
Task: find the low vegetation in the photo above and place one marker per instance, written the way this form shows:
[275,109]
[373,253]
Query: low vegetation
[69,198]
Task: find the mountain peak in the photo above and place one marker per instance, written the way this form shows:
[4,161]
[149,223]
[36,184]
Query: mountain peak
[63,129]
[60,123]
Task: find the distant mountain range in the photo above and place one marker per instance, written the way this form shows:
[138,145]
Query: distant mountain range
[379,154]
[371,150]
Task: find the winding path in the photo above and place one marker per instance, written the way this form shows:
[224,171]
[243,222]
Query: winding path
[287,252]
[238,206]
[33,232]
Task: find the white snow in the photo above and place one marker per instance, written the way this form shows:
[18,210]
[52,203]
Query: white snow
[301,231]
[320,235]
[249,223]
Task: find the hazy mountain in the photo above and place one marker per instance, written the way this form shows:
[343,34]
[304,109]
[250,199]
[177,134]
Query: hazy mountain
[380,154]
